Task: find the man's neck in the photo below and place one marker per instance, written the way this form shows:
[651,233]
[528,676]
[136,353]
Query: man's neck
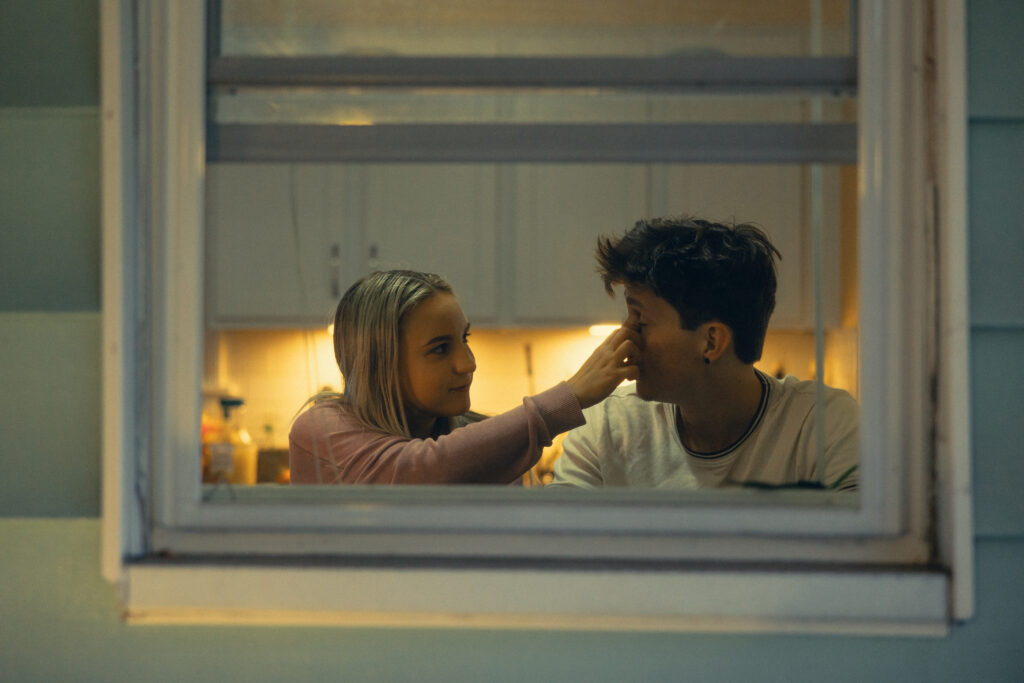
[716,416]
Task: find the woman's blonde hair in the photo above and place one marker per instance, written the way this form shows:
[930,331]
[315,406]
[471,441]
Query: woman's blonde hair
[367,332]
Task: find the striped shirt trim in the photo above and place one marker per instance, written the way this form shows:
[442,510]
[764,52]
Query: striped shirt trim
[766,390]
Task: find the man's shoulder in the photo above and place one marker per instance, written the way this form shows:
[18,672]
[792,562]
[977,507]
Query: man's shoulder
[624,437]
[624,407]
[806,390]
[625,392]
[793,398]
[626,398]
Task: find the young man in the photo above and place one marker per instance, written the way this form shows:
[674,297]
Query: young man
[700,294]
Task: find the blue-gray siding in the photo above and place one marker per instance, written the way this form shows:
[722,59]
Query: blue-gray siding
[59,619]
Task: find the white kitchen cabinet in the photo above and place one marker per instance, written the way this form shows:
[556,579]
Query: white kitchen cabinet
[284,241]
[777,199]
[277,244]
[517,242]
[559,212]
[438,218]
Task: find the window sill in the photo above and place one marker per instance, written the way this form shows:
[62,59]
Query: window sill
[679,598]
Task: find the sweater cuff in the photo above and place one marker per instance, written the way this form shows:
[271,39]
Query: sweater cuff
[559,408]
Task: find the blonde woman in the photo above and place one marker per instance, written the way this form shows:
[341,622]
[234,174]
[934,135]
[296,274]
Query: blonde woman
[401,342]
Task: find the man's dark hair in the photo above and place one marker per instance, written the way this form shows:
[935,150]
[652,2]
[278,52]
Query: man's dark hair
[705,270]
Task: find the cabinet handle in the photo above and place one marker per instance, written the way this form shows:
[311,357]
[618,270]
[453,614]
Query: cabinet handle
[335,263]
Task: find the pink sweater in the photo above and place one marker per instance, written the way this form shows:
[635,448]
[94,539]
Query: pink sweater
[328,445]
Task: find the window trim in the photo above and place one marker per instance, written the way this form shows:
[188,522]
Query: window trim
[172,197]
[679,73]
[826,143]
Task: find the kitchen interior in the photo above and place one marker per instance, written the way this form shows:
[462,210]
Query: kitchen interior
[516,240]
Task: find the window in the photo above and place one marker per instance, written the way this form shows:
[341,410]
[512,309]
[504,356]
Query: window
[617,558]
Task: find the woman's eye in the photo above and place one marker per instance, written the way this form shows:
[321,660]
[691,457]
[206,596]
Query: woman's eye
[465,338]
[440,349]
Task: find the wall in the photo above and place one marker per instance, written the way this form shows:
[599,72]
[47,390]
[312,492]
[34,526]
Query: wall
[49,257]
[59,619]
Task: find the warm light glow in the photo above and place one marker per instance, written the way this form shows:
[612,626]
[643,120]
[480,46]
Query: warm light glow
[276,371]
[603,330]
[330,329]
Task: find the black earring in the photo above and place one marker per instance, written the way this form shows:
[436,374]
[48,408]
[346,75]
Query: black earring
[707,361]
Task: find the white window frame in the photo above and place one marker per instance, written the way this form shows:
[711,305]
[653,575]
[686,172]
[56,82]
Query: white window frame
[409,555]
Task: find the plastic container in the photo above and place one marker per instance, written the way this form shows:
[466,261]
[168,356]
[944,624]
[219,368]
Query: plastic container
[229,453]
[211,432]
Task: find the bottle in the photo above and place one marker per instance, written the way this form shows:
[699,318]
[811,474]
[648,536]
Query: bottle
[232,453]
[245,454]
[211,433]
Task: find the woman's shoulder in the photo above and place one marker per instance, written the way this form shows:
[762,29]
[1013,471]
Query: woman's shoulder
[323,416]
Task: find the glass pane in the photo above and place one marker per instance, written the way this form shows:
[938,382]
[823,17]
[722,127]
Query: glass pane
[516,241]
[533,27]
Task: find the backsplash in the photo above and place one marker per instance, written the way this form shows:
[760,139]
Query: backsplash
[276,371]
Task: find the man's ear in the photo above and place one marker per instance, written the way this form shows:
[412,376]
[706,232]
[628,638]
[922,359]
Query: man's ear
[717,340]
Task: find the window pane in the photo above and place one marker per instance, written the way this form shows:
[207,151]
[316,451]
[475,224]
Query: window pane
[309,211]
[516,241]
[533,27]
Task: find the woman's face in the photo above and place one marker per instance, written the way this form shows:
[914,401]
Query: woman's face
[435,363]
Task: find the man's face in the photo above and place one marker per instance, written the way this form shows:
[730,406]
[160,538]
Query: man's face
[669,355]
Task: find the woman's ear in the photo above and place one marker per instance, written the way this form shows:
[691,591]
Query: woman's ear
[717,340]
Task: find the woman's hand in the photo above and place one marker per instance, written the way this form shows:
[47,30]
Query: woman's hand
[612,362]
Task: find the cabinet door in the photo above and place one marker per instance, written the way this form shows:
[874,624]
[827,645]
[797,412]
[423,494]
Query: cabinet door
[270,233]
[560,210]
[438,218]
